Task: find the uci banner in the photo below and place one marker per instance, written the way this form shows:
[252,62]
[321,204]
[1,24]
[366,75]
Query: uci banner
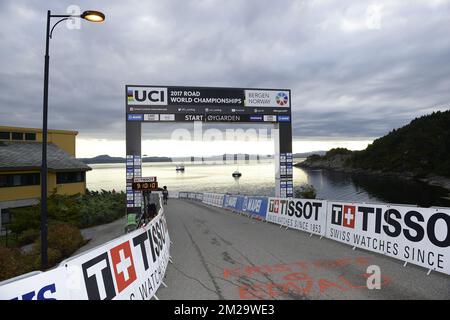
[301,214]
[416,235]
[129,267]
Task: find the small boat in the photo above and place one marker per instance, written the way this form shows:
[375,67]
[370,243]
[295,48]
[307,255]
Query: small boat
[236,174]
[180,168]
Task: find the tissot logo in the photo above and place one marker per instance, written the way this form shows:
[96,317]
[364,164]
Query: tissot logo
[274,206]
[146,96]
[343,215]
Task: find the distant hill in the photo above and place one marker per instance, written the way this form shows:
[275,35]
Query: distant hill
[307,154]
[419,149]
[104,158]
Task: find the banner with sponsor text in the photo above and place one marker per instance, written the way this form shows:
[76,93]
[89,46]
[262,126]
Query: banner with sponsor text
[129,267]
[416,235]
[213,199]
[301,214]
[255,206]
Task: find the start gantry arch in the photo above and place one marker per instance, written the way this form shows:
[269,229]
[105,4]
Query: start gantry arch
[169,104]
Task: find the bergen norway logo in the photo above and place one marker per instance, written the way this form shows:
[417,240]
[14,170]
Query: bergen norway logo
[147,96]
[281,98]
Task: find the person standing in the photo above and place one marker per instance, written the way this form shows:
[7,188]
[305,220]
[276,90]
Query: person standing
[165,193]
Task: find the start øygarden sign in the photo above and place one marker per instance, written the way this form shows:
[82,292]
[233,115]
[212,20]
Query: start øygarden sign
[129,267]
[416,235]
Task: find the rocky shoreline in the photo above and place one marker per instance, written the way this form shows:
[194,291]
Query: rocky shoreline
[337,163]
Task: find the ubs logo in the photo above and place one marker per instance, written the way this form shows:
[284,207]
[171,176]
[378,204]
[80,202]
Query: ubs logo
[147,96]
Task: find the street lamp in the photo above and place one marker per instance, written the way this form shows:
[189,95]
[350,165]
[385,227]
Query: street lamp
[93,16]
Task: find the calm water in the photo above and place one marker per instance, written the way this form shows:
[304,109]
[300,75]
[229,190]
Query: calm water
[258,179]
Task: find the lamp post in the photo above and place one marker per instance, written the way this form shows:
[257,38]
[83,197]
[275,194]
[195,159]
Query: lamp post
[93,16]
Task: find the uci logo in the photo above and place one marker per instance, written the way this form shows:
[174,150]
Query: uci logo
[146,96]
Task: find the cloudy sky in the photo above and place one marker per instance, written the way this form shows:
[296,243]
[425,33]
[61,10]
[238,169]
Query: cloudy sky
[357,69]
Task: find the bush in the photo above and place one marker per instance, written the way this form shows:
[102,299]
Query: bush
[62,237]
[101,207]
[12,263]
[28,236]
[306,191]
[33,259]
[25,218]
[82,211]
[63,241]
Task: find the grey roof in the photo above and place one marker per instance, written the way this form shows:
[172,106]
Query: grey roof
[28,155]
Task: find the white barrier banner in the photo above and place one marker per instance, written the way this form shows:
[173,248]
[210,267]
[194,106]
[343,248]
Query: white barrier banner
[417,235]
[213,199]
[48,285]
[218,200]
[420,235]
[301,214]
[128,268]
[174,195]
[351,223]
[207,198]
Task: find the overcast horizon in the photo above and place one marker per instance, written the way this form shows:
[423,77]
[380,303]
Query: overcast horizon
[357,69]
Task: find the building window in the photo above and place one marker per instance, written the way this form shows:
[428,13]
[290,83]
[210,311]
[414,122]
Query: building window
[18,180]
[70,177]
[5,216]
[30,136]
[17,135]
[4,135]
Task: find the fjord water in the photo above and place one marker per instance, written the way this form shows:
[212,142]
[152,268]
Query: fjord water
[258,179]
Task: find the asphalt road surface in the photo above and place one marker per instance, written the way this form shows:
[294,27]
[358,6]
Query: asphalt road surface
[221,255]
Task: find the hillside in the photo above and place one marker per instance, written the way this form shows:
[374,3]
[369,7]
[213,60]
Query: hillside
[420,149]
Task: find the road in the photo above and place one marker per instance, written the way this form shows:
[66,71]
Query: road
[221,255]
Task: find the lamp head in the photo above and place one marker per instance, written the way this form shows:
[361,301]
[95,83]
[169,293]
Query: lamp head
[93,16]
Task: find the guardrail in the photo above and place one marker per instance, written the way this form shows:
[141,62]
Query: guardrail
[129,267]
[412,234]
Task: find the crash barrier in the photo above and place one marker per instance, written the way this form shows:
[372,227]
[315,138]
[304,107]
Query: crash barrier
[129,267]
[412,234]
[213,199]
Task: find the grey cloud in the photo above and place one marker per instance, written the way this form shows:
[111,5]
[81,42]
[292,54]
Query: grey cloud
[345,84]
